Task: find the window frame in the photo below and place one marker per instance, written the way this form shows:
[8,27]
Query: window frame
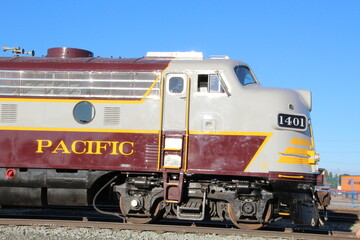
[183,76]
[221,79]
[76,112]
[183,85]
[255,81]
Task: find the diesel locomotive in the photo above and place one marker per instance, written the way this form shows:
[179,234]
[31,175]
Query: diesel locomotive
[170,135]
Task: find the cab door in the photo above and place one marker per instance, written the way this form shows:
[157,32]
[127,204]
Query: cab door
[174,134]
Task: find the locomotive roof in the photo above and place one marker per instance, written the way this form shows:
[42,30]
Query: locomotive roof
[83,64]
[73,59]
[105,64]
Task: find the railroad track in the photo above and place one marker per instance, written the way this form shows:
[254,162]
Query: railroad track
[51,219]
[194,229]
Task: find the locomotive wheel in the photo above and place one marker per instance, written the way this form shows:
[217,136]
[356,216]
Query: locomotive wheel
[245,225]
[140,217]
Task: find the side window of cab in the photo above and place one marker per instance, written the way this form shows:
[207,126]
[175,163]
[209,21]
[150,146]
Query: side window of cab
[210,83]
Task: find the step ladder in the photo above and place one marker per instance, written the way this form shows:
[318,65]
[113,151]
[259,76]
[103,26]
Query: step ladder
[173,185]
[192,210]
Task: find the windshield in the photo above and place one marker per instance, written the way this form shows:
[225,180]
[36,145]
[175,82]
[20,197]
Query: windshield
[244,75]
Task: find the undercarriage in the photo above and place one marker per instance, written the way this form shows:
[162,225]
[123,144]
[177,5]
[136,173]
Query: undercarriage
[246,203]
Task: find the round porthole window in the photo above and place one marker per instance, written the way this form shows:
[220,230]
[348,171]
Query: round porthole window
[84,112]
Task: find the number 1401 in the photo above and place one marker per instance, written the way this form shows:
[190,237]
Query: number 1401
[292,121]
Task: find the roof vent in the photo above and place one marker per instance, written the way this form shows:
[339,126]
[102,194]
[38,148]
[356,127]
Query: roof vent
[65,52]
[219,57]
[177,55]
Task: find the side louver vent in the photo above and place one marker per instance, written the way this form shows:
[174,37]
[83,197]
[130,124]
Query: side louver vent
[111,115]
[8,113]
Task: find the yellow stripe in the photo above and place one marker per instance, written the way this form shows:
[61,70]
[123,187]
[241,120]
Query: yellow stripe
[295,160]
[268,136]
[302,142]
[187,125]
[78,130]
[284,214]
[312,138]
[151,87]
[69,100]
[296,151]
[161,123]
[161,113]
[171,168]
[172,149]
[289,176]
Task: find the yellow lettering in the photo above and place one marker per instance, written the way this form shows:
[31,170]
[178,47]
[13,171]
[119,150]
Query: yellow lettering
[99,146]
[73,147]
[114,148]
[41,145]
[61,147]
[121,148]
[90,147]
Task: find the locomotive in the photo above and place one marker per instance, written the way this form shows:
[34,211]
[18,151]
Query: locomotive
[170,135]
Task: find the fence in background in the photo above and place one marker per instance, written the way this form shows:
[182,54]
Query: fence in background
[344,191]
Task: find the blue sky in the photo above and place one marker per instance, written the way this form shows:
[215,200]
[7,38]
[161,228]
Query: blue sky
[294,44]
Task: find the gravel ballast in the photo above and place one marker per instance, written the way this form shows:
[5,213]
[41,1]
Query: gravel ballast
[45,233]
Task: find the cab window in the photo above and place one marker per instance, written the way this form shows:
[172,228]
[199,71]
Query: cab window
[210,83]
[244,75]
[176,85]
